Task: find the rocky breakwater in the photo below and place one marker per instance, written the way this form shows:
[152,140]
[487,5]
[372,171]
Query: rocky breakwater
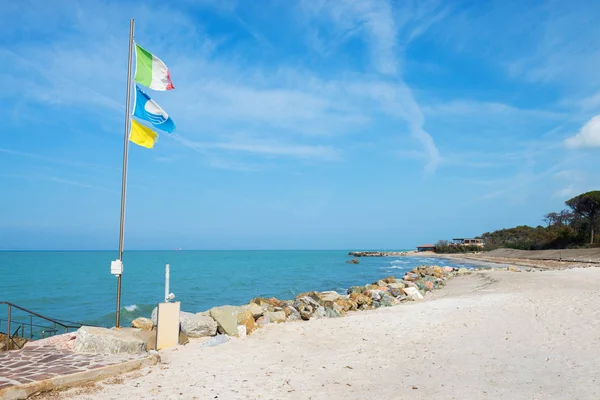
[376,253]
[239,321]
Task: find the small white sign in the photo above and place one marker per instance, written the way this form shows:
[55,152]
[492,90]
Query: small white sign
[116,267]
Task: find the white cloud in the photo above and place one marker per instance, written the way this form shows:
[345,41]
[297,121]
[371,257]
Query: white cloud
[264,147]
[588,135]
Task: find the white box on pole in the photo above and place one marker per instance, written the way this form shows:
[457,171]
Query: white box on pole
[116,267]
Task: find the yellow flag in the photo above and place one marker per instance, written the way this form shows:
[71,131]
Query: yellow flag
[141,135]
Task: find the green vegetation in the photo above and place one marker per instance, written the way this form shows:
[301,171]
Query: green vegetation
[569,228]
[443,247]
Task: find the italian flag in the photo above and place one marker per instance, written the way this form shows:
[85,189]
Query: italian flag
[150,71]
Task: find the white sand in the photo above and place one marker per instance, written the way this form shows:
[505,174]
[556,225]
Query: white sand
[495,335]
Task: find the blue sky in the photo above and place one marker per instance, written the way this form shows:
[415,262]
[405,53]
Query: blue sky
[300,124]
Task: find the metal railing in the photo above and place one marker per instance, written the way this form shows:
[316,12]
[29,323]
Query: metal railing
[35,329]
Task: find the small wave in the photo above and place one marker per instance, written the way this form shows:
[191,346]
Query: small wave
[131,308]
[400,262]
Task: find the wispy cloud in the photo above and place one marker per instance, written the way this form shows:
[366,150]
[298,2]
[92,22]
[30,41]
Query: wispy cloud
[56,179]
[53,160]
[266,148]
[383,31]
[588,135]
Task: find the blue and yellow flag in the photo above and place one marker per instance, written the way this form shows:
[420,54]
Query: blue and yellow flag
[146,109]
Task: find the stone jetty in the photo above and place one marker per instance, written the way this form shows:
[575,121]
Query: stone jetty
[377,253]
[239,321]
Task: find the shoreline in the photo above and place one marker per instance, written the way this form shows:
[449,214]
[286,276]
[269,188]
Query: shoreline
[418,350]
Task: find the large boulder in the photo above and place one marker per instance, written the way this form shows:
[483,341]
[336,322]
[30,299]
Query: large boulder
[362,300]
[356,289]
[229,317]
[346,304]
[332,313]
[196,325]
[413,293]
[142,323]
[387,300]
[246,319]
[109,341]
[276,316]
[330,295]
[255,309]
[291,313]
[193,325]
[149,337]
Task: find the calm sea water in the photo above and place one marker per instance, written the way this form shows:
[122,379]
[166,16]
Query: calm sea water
[78,286]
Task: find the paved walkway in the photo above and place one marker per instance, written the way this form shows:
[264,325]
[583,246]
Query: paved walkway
[52,358]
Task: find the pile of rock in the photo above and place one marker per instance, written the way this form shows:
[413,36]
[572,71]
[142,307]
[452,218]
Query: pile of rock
[243,320]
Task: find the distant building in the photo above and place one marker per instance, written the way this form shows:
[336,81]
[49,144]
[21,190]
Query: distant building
[426,247]
[467,242]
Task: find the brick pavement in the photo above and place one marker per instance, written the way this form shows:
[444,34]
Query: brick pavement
[51,358]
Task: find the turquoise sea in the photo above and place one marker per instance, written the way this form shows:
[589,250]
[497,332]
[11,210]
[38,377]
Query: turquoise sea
[78,286]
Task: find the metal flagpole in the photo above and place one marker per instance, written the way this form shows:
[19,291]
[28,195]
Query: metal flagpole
[124,178]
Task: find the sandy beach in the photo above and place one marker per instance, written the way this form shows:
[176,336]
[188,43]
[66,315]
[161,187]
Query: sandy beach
[490,335]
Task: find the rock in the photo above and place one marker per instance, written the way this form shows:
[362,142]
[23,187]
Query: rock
[216,340]
[413,293]
[291,313]
[154,316]
[437,272]
[262,321]
[142,323]
[409,284]
[255,309]
[346,304]
[274,302]
[396,292]
[227,318]
[246,319]
[411,276]
[361,299]
[330,295]
[429,285]
[375,294]
[149,337]
[396,285]
[463,271]
[512,268]
[320,312]
[353,261]
[331,313]
[355,289]
[265,304]
[108,341]
[305,303]
[305,315]
[183,339]
[380,283]
[447,269]
[195,326]
[389,279]
[276,316]
[387,300]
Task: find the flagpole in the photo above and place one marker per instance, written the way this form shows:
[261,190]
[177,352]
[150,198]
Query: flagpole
[124,177]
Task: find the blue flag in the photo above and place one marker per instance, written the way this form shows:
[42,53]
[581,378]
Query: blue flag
[147,110]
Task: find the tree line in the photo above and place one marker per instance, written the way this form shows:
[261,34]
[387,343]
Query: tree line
[572,227]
